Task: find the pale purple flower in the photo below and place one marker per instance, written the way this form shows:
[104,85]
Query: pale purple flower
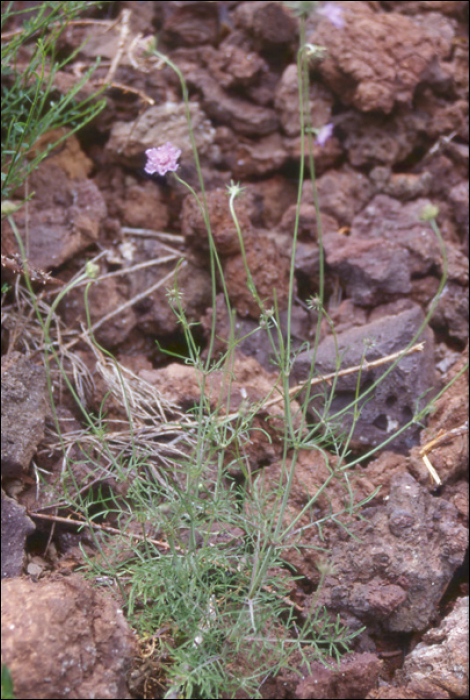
[162,159]
[323,134]
[332,12]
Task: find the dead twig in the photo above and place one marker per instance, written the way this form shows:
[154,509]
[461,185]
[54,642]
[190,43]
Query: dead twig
[149,233]
[135,91]
[435,442]
[134,268]
[124,33]
[419,347]
[103,528]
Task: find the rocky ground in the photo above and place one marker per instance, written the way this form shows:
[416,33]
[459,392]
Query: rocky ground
[394,85]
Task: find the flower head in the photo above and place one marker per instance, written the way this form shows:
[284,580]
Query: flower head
[163,159]
[429,212]
[332,12]
[92,270]
[323,134]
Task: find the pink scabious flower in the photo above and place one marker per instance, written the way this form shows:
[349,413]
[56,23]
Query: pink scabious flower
[323,134]
[332,12]
[163,159]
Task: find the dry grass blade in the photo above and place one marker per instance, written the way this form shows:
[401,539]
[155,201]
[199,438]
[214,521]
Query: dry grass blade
[144,400]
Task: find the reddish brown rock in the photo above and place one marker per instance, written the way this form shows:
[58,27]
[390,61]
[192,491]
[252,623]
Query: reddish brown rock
[355,676]
[443,117]
[347,315]
[63,218]
[273,196]
[402,692]
[223,228]
[395,400]
[69,156]
[382,139]
[155,315]
[445,438]
[459,197]
[307,222]
[413,543]
[256,158]
[16,527]
[402,186]
[403,50]
[371,271]
[406,249]
[142,205]
[190,23]
[157,125]
[326,156]
[313,468]
[269,269]
[446,7]
[451,315]
[23,413]
[387,219]
[250,384]
[342,194]
[438,665]
[242,115]
[232,65]
[286,101]
[105,297]
[270,23]
[78,637]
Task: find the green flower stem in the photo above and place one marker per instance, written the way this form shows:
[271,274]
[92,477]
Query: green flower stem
[214,257]
[289,430]
[306,121]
